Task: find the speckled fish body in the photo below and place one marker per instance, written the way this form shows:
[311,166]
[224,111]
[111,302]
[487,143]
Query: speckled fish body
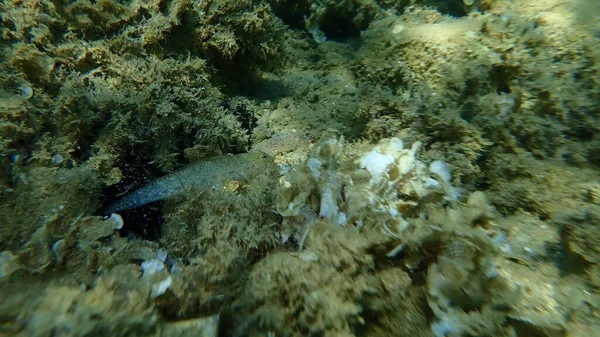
[196,176]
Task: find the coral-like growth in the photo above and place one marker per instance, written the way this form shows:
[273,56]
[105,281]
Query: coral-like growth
[382,187]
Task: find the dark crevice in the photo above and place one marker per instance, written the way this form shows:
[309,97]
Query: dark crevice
[143,222]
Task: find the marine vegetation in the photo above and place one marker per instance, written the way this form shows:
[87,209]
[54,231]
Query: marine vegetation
[300,168]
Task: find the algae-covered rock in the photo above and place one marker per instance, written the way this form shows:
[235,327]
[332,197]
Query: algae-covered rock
[465,291]
[329,294]
[110,307]
[493,184]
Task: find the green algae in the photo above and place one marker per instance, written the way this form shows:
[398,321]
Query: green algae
[506,92]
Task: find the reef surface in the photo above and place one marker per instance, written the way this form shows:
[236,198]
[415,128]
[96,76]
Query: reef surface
[433,167]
